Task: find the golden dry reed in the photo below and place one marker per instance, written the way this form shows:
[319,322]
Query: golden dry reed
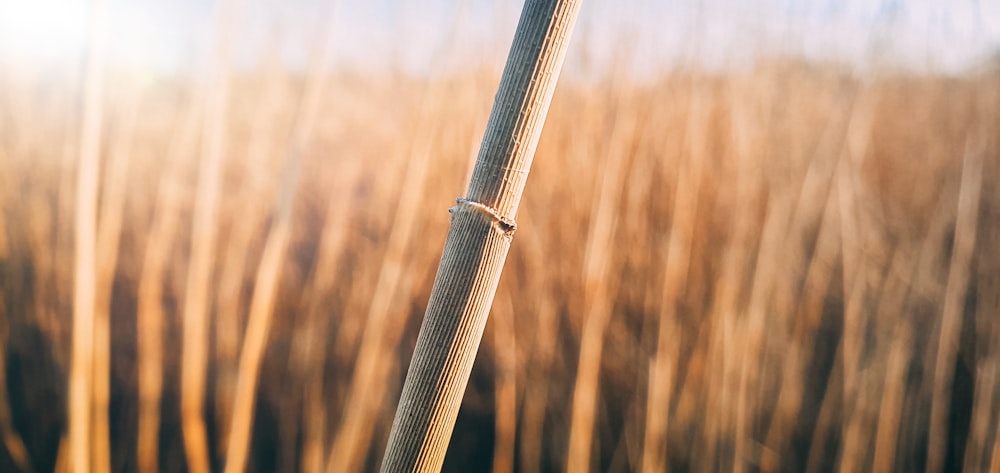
[478,241]
[88,383]
[784,267]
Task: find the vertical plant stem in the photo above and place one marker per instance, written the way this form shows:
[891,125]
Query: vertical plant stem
[478,241]
[368,381]
[986,400]
[662,367]
[995,463]
[536,392]
[599,294]
[309,346]
[258,325]
[269,271]
[505,347]
[383,328]
[891,407]
[196,304]
[81,370]
[231,307]
[108,236]
[954,304]
[149,310]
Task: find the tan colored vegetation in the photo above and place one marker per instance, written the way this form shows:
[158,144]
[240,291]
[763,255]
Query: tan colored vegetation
[787,269]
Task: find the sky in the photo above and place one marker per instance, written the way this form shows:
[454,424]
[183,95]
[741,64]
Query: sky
[169,36]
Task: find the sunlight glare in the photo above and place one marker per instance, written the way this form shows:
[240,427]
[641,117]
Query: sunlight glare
[43,30]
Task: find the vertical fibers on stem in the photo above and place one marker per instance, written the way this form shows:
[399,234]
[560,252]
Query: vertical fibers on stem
[478,241]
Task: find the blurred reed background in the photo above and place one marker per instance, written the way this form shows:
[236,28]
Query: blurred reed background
[776,262]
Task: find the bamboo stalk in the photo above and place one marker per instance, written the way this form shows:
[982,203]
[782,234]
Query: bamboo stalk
[84,288]
[478,241]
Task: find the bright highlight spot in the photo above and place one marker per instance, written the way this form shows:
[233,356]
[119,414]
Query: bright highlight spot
[41,31]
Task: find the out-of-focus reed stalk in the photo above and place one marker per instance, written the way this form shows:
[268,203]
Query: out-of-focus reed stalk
[816,206]
[505,346]
[976,449]
[714,335]
[995,464]
[55,241]
[269,271]
[810,306]
[893,351]
[258,324]
[855,290]
[478,242]
[150,316]
[108,236]
[891,404]
[382,330]
[230,312]
[986,400]
[309,349]
[662,367]
[196,306]
[81,387]
[773,292]
[841,391]
[536,392]
[954,301]
[195,339]
[859,430]
[598,290]
[778,228]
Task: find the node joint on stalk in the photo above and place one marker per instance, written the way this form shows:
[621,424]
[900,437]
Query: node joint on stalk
[506,225]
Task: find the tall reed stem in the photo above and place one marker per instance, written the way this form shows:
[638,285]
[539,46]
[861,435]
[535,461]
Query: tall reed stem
[478,241]
[954,305]
[84,287]
[196,306]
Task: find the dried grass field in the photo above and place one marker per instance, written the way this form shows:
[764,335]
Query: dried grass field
[790,267]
